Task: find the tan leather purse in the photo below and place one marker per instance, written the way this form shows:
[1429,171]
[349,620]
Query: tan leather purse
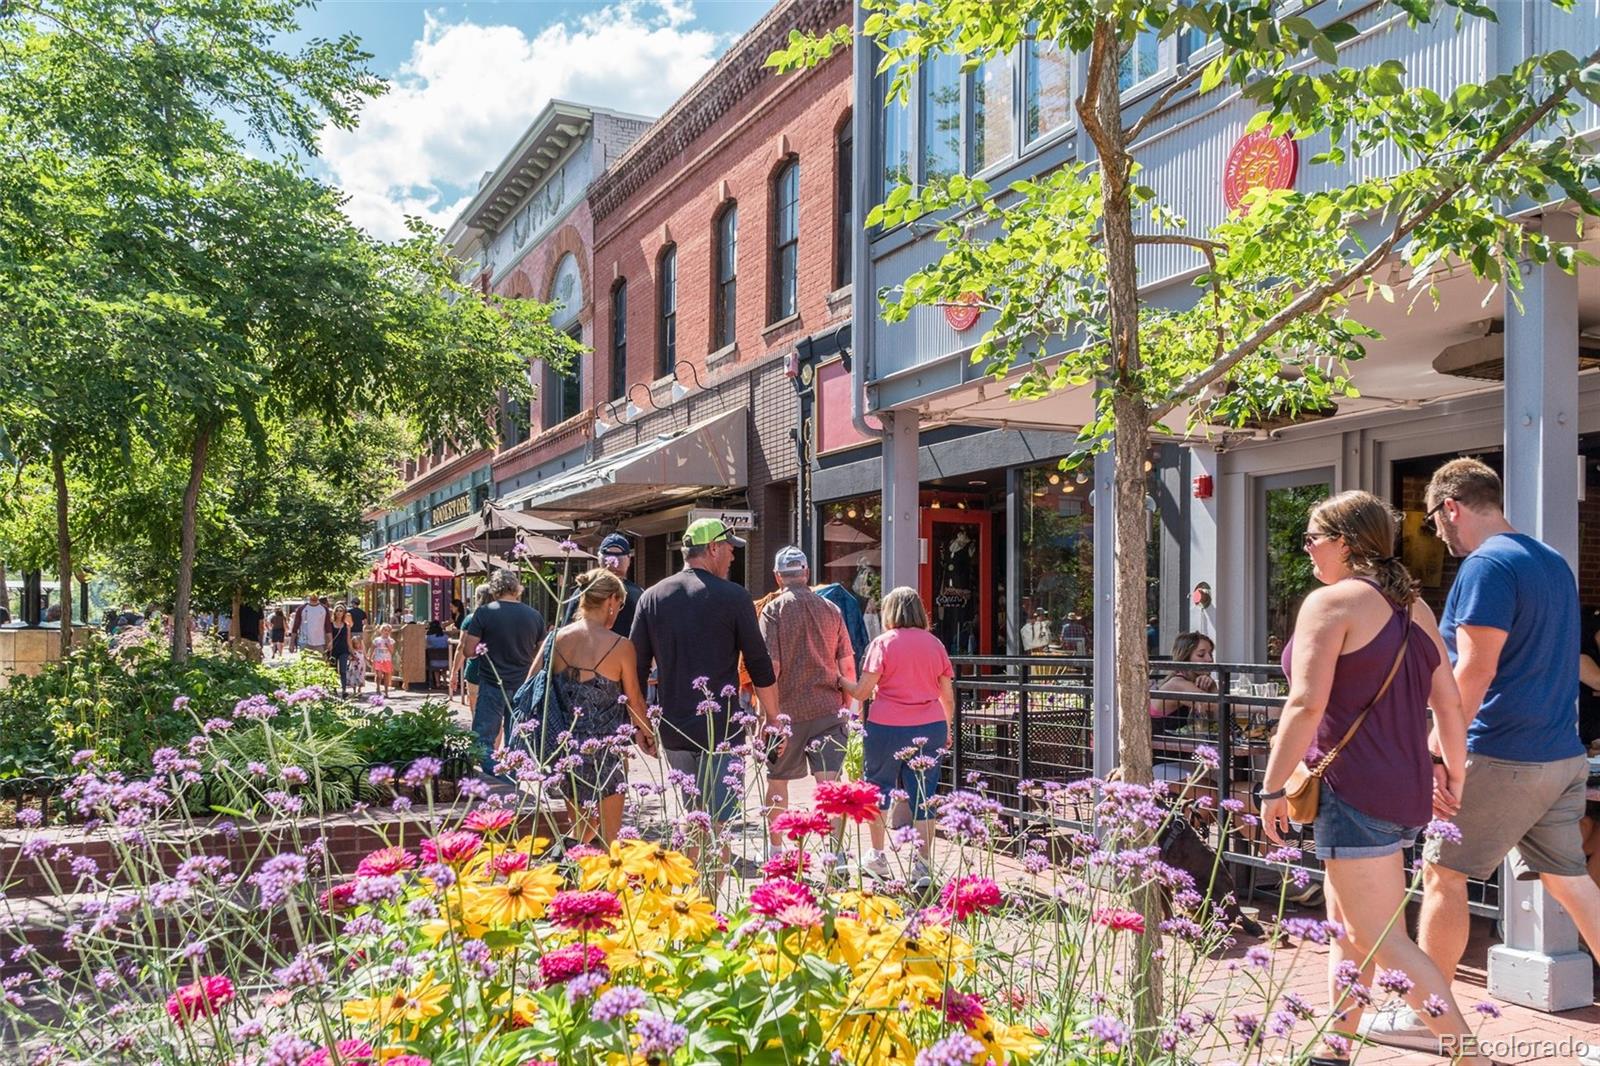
[1303,790]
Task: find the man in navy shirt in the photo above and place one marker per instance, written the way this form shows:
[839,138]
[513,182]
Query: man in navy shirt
[1510,624]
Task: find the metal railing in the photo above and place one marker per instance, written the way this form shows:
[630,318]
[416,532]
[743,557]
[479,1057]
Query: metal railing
[1024,721]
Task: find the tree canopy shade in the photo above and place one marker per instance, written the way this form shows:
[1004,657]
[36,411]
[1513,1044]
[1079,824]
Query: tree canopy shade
[1054,257]
[171,287]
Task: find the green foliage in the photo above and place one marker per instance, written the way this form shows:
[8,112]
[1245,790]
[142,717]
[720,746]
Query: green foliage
[398,737]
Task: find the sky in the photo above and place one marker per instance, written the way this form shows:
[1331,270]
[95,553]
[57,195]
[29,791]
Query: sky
[467,78]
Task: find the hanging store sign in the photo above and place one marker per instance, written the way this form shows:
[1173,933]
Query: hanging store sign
[1259,161]
[740,521]
[962,315]
[451,509]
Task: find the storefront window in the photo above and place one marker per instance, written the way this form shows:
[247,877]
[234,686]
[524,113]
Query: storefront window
[1289,576]
[1057,604]
[941,116]
[1048,91]
[852,552]
[1141,61]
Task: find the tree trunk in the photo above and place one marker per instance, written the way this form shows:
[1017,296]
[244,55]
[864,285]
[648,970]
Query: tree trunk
[1131,435]
[233,630]
[58,464]
[191,505]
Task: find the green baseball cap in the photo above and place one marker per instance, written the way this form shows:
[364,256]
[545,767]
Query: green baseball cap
[708,531]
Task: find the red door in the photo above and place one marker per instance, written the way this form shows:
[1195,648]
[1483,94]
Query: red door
[957,578]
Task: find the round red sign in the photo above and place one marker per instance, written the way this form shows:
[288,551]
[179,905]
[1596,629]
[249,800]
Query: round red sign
[1259,161]
[962,314]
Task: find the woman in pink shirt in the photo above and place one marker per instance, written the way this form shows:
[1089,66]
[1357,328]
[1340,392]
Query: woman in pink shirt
[907,675]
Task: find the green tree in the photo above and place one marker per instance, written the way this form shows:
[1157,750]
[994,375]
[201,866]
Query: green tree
[1054,258]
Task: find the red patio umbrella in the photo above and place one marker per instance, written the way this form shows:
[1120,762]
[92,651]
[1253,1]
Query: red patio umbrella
[400,567]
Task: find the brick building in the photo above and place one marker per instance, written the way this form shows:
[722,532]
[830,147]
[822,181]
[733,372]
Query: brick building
[721,239]
[527,233]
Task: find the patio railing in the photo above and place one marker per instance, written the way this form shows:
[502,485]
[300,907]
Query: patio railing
[1023,721]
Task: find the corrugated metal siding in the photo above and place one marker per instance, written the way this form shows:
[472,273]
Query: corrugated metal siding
[923,338]
[1576,31]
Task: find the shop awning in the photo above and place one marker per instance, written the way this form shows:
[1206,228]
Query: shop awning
[705,457]
[494,518]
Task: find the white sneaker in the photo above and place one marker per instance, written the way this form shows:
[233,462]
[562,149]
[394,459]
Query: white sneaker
[1398,1027]
[921,873]
[1589,1054]
[878,866]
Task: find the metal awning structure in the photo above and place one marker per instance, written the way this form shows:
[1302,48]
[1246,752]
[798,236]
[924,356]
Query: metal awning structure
[491,520]
[709,456]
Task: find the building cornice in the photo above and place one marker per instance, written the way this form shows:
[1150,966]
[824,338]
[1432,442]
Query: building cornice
[718,92]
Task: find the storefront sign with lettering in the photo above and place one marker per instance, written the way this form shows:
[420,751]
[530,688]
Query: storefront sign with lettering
[451,509]
[1259,161]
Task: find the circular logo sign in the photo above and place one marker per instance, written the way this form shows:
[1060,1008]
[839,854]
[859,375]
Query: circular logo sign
[1258,161]
[963,313]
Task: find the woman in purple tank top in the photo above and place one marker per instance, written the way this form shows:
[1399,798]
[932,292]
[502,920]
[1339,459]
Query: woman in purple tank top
[1378,793]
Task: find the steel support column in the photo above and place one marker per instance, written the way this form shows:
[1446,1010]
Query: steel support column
[1540,965]
[1105,618]
[900,504]
[1015,501]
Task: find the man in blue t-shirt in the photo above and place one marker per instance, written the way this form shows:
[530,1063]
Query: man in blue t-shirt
[1510,624]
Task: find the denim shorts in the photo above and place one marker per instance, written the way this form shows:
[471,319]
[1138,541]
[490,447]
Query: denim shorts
[709,770]
[917,773]
[1342,832]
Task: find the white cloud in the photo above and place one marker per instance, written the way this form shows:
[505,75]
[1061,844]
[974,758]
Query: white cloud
[468,91]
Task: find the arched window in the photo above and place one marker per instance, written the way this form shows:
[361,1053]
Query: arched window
[726,290]
[667,303]
[786,241]
[563,392]
[619,340]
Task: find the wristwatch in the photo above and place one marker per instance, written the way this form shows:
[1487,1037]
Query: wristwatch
[1275,794]
[1438,760]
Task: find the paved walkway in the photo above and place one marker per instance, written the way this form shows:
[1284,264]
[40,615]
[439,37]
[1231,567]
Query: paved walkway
[1519,1035]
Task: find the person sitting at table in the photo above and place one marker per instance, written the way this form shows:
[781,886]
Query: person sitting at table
[438,648]
[1173,714]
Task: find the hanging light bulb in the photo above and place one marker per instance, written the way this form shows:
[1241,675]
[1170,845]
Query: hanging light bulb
[851,513]
[962,504]
[1082,478]
[867,513]
[1068,488]
[1148,466]
[935,504]
[1055,479]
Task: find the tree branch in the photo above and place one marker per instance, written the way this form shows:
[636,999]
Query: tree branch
[1156,109]
[1314,298]
[1208,247]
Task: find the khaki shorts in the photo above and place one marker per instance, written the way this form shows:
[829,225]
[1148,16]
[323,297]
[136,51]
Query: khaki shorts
[1534,807]
[816,746]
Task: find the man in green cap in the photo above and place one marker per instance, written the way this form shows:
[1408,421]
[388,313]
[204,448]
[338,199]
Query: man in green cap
[694,626]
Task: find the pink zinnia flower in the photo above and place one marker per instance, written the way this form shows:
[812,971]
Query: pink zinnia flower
[962,1009]
[1120,919]
[586,911]
[385,862]
[456,846]
[855,800]
[510,862]
[799,916]
[410,1060]
[351,1052]
[966,896]
[771,897]
[790,864]
[488,820]
[202,997]
[563,964]
[797,825]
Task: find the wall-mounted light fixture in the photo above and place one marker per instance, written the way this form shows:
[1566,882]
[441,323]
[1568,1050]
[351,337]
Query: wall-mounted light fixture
[679,390]
[634,411]
[601,426]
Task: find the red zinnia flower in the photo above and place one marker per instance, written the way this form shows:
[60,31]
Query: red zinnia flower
[586,911]
[966,896]
[385,862]
[790,864]
[962,1009]
[338,898]
[797,825]
[410,1060]
[202,997]
[563,964]
[855,800]
[1120,919]
[454,847]
[488,820]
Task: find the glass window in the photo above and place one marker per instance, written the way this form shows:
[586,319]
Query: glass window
[727,290]
[1141,61]
[1289,576]
[993,119]
[897,134]
[514,417]
[667,333]
[786,241]
[1048,93]
[564,392]
[619,340]
[1190,41]
[851,540]
[844,225]
[1057,563]
[941,116]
